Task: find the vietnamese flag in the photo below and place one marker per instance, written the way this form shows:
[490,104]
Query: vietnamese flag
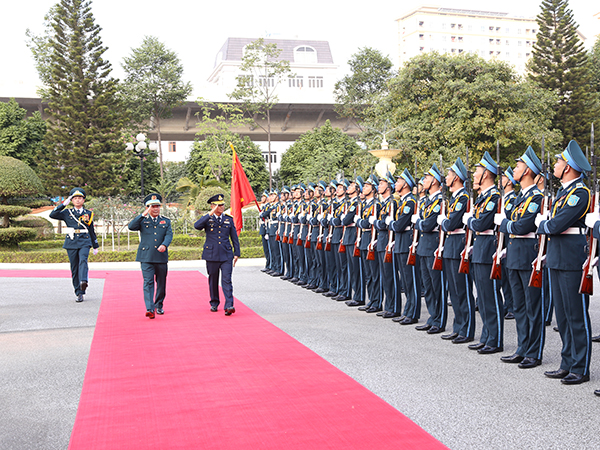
[241,191]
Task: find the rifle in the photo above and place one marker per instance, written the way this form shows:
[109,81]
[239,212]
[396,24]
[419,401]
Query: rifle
[412,250]
[310,227]
[370,249]
[389,253]
[328,238]
[535,279]
[320,236]
[358,232]
[587,277]
[464,266]
[301,206]
[277,237]
[342,247]
[438,262]
[496,273]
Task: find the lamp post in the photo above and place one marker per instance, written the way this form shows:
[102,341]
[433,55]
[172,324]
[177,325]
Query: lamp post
[139,151]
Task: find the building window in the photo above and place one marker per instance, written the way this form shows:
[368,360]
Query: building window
[460,39]
[497,29]
[518,31]
[296,82]
[443,26]
[453,50]
[491,28]
[491,42]
[533,31]
[460,50]
[519,55]
[460,27]
[421,49]
[528,43]
[453,38]
[421,23]
[172,147]
[421,36]
[315,82]
[507,42]
[527,55]
[266,82]
[508,54]
[273,157]
[507,30]
[305,55]
[498,42]
[519,43]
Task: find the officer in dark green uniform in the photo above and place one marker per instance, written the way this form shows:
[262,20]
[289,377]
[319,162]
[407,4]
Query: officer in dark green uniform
[80,237]
[155,236]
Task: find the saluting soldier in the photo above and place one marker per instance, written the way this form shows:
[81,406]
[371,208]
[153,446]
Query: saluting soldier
[80,237]
[460,285]
[519,225]
[435,296]
[508,186]
[566,254]
[401,226]
[156,235]
[221,252]
[481,222]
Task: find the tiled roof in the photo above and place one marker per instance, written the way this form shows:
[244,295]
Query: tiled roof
[233,48]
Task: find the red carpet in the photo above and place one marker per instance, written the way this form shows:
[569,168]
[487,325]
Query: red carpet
[193,379]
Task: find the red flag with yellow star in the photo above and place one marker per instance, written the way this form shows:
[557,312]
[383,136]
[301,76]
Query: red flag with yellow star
[241,191]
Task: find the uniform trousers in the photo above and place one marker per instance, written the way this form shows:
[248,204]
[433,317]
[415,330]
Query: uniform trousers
[460,288]
[78,257]
[573,321]
[356,289]
[547,296]
[154,273]
[267,252]
[322,269]
[275,254]
[411,279]
[490,305]
[331,269]
[224,268]
[529,315]
[341,267]
[309,263]
[389,284]
[435,295]
[372,277]
[506,290]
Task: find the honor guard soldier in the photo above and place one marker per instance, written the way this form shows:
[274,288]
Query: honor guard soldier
[341,264]
[330,258]
[297,251]
[460,285]
[508,187]
[484,247]
[401,226]
[80,237]
[284,228]
[262,231]
[221,252]
[270,214]
[155,237]
[367,245]
[565,256]
[356,286]
[518,224]
[435,296]
[307,238]
[319,242]
[388,275]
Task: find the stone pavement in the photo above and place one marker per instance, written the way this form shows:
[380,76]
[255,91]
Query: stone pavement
[464,399]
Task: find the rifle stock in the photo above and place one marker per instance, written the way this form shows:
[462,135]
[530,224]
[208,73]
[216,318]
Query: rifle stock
[496,272]
[412,250]
[587,277]
[465,266]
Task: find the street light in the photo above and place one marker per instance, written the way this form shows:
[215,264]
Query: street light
[139,151]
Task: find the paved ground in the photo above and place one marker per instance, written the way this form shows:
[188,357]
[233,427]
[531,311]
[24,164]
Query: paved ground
[464,399]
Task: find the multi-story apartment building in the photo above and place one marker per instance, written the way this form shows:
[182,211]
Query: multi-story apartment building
[491,35]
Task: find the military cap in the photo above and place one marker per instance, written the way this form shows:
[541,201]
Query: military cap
[373,180]
[532,161]
[301,186]
[344,182]
[152,199]
[389,178]
[322,184]
[488,163]
[311,186]
[575,158]
[421,180]
[435,173]
[333,183]
[77,192]
[406,176]
[359,182]
[459,169]
[508,173]
[218,199]
[285,190]
[265,193]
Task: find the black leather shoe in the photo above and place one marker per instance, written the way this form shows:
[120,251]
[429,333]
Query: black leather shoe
[575,378]
[160,311]
[449,337]
[424,327]
[373,310]
[330,294]
[229,311]
[509,316]
[596,338]
[83,286]
[79,298]
[285,277]
[276,274]
[555,328]
[150,314]
[409,321]
[380,313]
[548,323]
[390,315]
[477,346]
[597,392]
[264,270]
[363,308]
[294,280]
[398,319]
[528,363]
[214,309]
[488,350]
[354,303]
[462,340]
[301,283]
[310,287]
[560,373]
[512,359]
[320,290]
[435,330]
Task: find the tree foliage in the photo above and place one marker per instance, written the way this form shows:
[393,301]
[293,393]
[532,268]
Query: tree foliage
[83,136]
[439,104]
[21,137]
[323,154]
[17,179]
[595,66]
[560,65]
[153,85]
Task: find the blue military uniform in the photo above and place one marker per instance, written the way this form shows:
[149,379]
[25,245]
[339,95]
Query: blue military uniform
[355,285]
[262,231]
[505,285]
[220,246]
[154,232]
[338,233]
[78,240]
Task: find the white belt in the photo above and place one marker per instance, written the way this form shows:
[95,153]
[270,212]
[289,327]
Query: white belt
[485,233]
[408,228]
[457,232]
[573,230]
[525,236]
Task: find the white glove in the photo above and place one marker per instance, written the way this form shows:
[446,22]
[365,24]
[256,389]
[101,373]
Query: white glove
[356,219]
[540,218]
[466,217]
[67,200]
[342,217]
[300,216]
[95,251]
[499,217]
[440,219]
[591,219]
[371,220]
[414,218]
[329,216]
[266,237]
[595,261]
[470,250]
[320,217]
[285,216]
[388,220]
[308,216]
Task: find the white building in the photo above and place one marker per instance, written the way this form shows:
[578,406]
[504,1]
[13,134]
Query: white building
[491,35]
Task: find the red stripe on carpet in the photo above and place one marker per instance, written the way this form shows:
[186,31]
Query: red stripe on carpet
[193,379]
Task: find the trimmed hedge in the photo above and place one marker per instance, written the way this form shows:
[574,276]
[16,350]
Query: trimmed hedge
[10,237]
[14,211]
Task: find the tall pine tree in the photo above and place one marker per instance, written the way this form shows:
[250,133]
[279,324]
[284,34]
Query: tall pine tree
[560,64]
[84,134]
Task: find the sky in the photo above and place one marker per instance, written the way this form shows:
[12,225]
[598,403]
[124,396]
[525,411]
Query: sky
[196,30]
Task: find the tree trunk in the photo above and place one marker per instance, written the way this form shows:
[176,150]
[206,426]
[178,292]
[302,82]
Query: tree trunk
[160,158]
[269,147]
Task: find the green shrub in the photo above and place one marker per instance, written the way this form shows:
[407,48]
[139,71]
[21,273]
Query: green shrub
[42,227]
[13,211]
[252,252]
[10,237]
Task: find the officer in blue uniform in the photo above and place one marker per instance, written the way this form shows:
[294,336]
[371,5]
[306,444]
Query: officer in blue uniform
[262,231]
[317,237]
[155,236]
[80,237]
[221,251]
[508,186]
[356,276]
[519,226]
[566,254]
[460,285]
[338,232]
[481,222]
[273,223]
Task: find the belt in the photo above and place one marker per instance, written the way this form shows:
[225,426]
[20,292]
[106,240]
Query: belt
[524,236]
[573,230]
[457,232]
[80,231]
[485,233]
